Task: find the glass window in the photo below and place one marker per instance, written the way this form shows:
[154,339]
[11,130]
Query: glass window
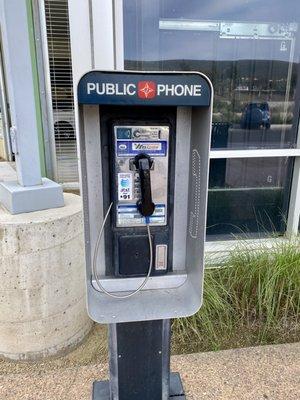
[60,65]
[248,196]
[250,51]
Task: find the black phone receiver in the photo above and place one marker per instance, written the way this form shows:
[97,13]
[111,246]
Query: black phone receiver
[143,164]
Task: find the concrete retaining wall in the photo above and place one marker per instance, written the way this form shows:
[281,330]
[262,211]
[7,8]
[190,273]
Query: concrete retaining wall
[42,289]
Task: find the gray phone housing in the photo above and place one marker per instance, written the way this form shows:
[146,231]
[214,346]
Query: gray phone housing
[178,293]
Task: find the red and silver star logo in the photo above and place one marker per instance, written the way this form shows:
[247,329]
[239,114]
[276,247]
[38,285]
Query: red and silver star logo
[146,89]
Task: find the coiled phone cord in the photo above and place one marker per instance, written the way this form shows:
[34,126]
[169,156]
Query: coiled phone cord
[94,269]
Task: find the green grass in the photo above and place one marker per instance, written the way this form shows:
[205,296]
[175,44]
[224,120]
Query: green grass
[253,299]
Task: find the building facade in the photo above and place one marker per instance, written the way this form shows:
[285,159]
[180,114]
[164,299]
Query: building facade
[250,51]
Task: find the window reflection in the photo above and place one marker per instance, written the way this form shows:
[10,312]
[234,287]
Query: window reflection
[252,70]
[247,196]
[248,49]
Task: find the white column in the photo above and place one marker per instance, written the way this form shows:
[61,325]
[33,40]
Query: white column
[294,206]
[92,41]
[17,60]
[31,192]
[294,203]
[103,34]
[92,36]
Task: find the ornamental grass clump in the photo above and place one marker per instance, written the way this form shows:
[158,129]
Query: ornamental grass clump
[252,298]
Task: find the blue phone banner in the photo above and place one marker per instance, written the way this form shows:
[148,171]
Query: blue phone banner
[132,88]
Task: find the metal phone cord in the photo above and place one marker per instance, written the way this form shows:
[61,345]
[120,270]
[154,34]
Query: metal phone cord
[94,269]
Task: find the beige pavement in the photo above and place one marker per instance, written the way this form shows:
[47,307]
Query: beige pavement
[7,171]
[257,373]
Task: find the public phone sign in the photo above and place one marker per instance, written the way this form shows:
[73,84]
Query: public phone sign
[131,88]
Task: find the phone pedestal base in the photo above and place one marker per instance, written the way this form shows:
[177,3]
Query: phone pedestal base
[139,364]
[101,389]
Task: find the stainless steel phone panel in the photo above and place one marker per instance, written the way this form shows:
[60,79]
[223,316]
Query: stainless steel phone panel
[130,141]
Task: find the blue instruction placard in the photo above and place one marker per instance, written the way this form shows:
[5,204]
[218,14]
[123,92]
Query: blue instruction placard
[132,148]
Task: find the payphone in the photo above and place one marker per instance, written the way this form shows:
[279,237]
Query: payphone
[139,196]
[144,142]
[140,173]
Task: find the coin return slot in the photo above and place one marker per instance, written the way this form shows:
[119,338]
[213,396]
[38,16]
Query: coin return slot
[161,257]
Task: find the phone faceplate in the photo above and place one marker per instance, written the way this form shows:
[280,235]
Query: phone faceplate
[130,140]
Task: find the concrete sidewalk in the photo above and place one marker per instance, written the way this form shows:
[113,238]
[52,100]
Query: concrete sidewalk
[257,373]
[7,171]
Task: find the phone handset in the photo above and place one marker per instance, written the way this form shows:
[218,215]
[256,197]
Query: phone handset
[143,164]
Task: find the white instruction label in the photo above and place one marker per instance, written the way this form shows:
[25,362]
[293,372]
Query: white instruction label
[128,215]
[125,186]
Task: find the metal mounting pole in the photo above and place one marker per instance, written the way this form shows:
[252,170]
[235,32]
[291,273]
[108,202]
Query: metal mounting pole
[31,192]
[140,364]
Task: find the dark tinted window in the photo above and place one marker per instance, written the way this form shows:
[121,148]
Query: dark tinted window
[250,51]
